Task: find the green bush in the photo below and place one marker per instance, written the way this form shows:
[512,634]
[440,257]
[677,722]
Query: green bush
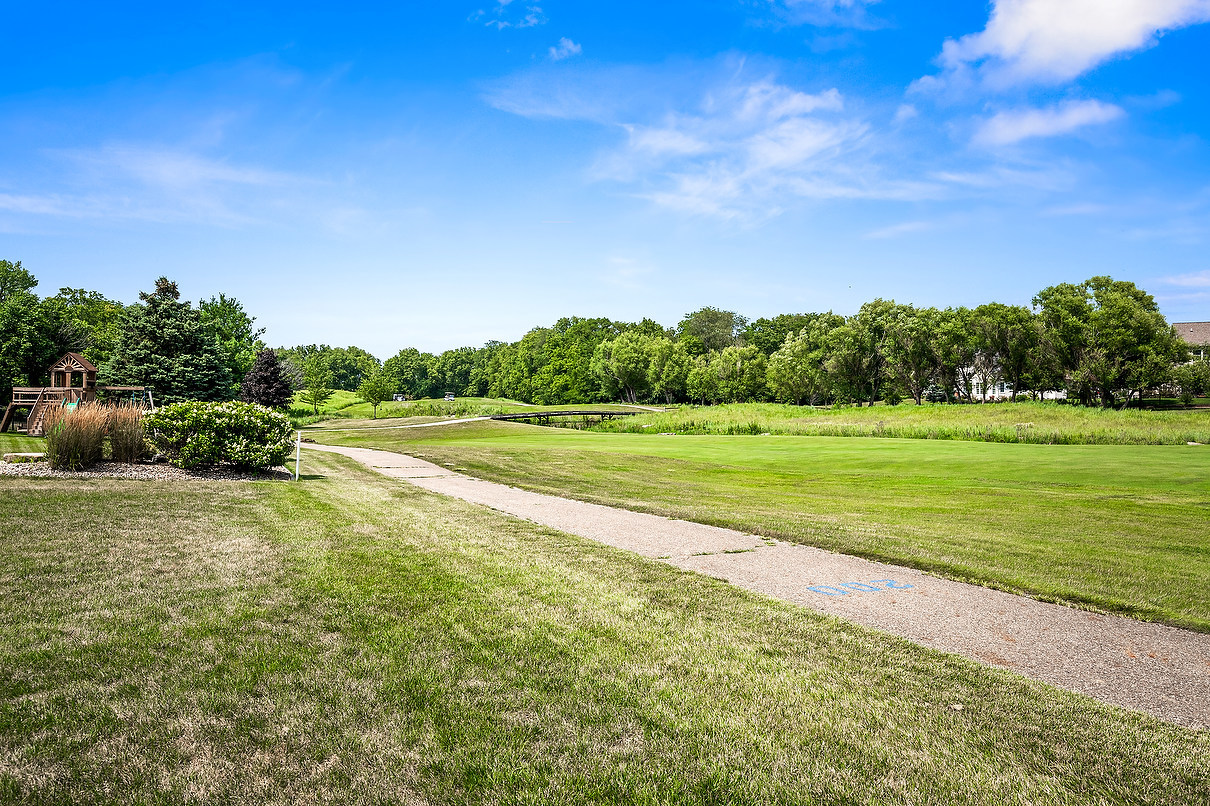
[197,434]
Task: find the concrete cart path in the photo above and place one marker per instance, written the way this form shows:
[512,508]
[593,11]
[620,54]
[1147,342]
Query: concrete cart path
[1148,667]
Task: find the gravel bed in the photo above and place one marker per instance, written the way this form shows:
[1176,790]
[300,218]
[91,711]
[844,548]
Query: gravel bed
[147,472]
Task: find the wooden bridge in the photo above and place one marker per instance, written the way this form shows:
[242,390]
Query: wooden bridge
[544,417]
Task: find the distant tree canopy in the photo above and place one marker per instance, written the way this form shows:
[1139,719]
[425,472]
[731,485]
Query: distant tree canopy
[347,365]
[1103,342]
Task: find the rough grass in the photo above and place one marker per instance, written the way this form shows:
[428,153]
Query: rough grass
[350,639]
[433,408]
[1034,423]
[1116,528]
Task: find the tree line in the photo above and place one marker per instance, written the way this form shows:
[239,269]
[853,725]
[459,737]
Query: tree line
[1102,341]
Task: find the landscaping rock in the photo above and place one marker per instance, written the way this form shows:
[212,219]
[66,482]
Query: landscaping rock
[17,458]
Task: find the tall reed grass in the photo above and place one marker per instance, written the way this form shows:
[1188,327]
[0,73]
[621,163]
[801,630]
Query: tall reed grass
[74,437]
[126,437]
[1026,422]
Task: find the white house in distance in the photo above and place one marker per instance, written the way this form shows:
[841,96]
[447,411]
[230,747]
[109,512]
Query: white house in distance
[1197,336]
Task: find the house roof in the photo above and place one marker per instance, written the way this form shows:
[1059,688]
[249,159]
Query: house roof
[1195,333]
[74,362]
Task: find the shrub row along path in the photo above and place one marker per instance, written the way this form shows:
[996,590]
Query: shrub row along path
[1153,668]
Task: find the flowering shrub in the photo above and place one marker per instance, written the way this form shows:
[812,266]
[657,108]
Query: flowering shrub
[197,434]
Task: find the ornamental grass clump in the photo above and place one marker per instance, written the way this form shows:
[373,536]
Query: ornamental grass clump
[74,436]
[126,437]
[196,434]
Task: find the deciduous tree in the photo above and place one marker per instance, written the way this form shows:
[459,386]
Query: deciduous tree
[266,383]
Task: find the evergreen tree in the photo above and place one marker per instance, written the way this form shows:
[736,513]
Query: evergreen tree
[266,383]
[165,345]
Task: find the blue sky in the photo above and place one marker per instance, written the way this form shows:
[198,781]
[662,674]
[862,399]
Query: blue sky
[441,174]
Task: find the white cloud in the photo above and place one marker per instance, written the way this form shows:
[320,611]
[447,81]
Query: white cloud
[1006,128]
[1053,41]
[564,49]
[744,148]
[1200,279]
[905,112]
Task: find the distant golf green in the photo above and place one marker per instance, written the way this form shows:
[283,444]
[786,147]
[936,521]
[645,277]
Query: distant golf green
[1120,528]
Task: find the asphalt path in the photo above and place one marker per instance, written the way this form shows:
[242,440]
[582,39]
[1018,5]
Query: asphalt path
[1152,668]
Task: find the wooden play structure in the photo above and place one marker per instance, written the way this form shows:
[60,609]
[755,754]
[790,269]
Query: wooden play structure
[73,380]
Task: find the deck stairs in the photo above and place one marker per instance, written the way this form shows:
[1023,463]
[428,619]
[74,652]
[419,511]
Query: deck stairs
[40,401]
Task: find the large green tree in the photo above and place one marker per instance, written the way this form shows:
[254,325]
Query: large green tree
[91,323]
[702,383]
[910,343]
[1108,337]
[741,373]
[669,370]
[711,328]
[623,365]
[770,334]
[164,344]
[856,352]
[233,331]
[32,334]
[797,371]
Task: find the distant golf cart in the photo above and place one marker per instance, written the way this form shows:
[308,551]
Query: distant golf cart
[449,397]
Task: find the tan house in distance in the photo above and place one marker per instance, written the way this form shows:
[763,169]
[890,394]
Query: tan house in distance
[1196,335]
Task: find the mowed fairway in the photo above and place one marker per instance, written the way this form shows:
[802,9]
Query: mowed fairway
[1122,528]
[349,638]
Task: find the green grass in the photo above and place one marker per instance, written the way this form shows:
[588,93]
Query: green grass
[1118,528]
[19,443]
[1035,423]
[353,639]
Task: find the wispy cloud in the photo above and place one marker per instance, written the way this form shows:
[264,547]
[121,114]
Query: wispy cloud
[1198,279]
[823,12]
[159,183]
[1048,42]
[895,230]
[742,151]
[1013,126]
[564,49]
[501,16]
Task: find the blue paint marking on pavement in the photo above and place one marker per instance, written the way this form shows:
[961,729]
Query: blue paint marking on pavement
[873,586]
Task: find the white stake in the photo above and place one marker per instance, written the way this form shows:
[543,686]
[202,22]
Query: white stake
[297,454]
